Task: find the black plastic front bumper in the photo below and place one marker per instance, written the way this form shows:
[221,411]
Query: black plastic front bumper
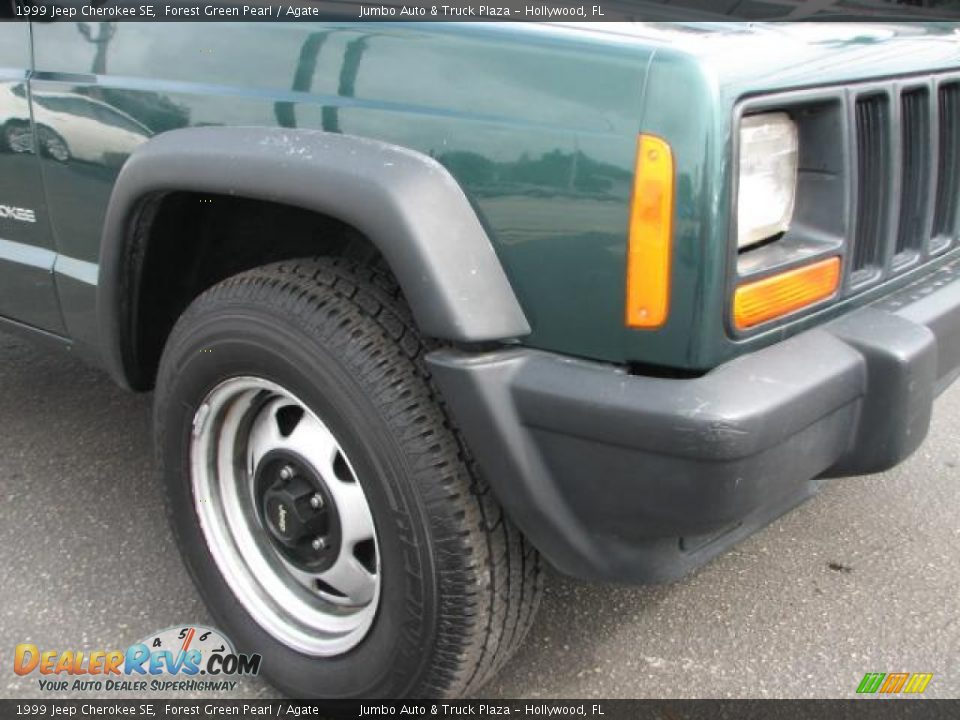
[622,477]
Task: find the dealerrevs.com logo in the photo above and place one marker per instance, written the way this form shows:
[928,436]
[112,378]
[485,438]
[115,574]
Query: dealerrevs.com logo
[191,658]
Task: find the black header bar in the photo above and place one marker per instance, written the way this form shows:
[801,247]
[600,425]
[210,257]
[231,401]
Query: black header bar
[528,709]
[484,10]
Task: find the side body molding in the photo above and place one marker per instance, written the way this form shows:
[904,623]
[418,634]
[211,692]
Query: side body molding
[406,203]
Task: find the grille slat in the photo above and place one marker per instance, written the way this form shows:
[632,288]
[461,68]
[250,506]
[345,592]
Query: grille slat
[948,186]
[916,167]
[873,150]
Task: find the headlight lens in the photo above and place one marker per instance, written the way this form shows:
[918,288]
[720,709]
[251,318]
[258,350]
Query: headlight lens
[768,177]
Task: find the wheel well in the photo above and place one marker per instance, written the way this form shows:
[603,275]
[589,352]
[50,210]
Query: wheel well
[190,241]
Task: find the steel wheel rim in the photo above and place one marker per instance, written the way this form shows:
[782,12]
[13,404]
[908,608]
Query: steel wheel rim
[236,433]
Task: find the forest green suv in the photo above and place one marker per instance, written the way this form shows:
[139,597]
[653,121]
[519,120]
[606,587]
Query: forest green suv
[424,306]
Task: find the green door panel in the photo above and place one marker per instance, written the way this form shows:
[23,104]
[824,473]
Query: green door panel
[27,254]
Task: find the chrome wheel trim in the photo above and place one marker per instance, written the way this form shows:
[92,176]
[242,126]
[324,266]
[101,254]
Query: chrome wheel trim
[233,429]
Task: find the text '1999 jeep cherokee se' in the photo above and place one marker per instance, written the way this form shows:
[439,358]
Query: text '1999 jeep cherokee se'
[422,304]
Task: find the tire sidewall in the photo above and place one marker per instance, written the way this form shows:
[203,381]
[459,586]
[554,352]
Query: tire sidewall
[210,347]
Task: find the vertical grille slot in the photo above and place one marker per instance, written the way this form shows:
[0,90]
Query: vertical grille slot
[872,117]
[945,213]
[915,139]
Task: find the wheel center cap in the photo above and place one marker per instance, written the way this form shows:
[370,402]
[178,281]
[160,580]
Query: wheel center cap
[297,512]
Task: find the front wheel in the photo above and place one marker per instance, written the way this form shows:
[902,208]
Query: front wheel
[323,504]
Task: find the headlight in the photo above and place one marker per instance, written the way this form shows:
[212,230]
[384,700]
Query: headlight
[768,177]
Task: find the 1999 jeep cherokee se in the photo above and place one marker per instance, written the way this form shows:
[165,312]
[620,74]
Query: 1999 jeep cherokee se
[422,304]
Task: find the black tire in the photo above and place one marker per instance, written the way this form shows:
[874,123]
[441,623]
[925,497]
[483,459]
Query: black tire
[460,584]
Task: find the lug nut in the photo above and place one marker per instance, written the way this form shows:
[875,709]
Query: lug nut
[318,544]
[316,502]
[286,472]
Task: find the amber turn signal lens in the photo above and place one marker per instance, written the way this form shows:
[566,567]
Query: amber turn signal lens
[778,295]
[651,231]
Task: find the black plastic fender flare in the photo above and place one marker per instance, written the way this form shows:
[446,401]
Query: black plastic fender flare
[405,202]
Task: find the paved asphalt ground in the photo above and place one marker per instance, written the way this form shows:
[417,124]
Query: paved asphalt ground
[865,577]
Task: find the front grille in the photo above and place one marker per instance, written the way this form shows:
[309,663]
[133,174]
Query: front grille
[907,179]
[878,183]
